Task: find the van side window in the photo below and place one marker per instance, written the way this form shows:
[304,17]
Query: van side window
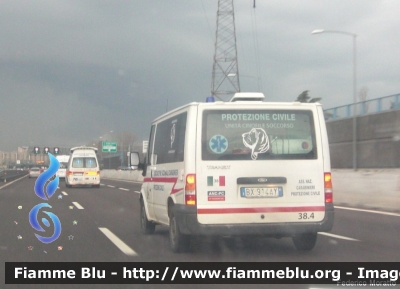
[170,139]
[150,146]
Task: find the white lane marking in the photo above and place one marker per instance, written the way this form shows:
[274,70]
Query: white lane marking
[119,180]
[110,186]
[118,242]
[77,205]
[368,211]
[102,184]
[338,236]
[123,189]
[137,192]
[64,193]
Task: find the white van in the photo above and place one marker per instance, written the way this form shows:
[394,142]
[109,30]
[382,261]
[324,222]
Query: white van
[239,168]
[83,168]
[63,160]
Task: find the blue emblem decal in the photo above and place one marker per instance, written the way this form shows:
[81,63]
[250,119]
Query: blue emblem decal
[218,144]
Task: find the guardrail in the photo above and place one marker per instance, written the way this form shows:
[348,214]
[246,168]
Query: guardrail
[9,175]
[363,107]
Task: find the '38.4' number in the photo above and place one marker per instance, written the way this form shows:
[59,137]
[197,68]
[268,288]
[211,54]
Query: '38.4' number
[306,216]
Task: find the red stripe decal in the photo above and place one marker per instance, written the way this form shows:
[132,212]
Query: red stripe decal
[261,210]
[164,180]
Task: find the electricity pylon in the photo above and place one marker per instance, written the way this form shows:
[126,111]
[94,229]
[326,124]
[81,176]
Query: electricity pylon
[225,74]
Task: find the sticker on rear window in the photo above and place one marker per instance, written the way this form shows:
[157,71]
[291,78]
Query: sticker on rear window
[218,144]
[257,140]
[173,132]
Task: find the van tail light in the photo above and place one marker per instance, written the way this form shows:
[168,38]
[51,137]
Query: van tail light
[328,188]
[68,173]
[190,190]
[98,173]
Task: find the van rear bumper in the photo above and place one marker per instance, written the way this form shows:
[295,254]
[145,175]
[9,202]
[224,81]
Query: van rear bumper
[188,224]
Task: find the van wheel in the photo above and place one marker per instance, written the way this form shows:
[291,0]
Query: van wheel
[178,241]
[305,241]
[147,226]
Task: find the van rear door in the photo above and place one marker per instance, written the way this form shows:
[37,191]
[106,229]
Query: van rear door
[262,164]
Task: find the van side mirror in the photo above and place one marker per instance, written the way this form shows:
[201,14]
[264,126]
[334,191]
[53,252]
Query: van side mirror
[134,160]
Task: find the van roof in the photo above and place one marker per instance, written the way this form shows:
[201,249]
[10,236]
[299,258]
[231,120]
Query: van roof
[241,99]
[248,96]
[83,148]
[62,157]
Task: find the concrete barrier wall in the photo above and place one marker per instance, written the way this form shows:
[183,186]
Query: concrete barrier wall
[378,141]
[9,175]
[369,189]
[134,176]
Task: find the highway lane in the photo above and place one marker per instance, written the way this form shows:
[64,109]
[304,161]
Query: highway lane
[76,240]
[103,225]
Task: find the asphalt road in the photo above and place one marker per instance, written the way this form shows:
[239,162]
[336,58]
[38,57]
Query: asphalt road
[102,225]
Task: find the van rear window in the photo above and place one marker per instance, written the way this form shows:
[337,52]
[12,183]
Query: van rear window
[63,165]
[84,162]
[258,135]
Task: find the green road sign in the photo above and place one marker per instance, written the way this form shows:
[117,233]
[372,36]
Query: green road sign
[109,147]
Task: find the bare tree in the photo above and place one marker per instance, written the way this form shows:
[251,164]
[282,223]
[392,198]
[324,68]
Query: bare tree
[304,97]
[124,139]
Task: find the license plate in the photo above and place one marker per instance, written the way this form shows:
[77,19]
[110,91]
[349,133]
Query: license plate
[264,192]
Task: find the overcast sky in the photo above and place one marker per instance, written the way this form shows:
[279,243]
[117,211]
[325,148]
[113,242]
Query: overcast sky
[71,71]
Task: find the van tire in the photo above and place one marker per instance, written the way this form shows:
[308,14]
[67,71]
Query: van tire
[178,241]
[146,226]
[305,241]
